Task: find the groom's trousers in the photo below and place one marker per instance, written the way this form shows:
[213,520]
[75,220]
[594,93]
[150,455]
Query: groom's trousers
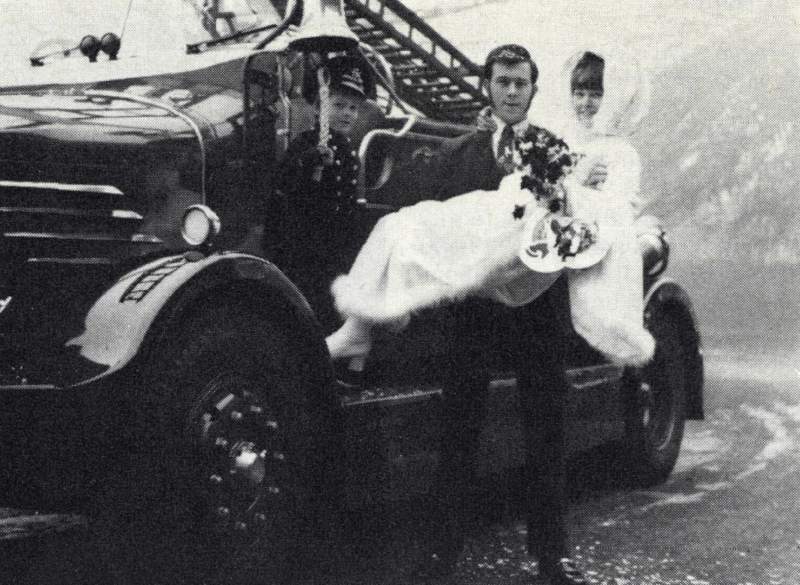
[533,338]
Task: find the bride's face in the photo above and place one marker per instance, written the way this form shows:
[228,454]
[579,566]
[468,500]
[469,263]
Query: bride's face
[586,103]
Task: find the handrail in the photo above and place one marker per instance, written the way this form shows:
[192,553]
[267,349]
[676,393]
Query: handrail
[362,153]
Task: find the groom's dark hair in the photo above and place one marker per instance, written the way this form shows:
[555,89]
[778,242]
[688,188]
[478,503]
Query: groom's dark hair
[509,55]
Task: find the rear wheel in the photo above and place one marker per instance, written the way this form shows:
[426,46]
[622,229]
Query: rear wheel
[225,462]
[657,406]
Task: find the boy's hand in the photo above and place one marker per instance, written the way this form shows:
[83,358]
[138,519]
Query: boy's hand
[326,154]
[317,157]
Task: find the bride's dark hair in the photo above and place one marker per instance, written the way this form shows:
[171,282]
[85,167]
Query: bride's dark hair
[588,72]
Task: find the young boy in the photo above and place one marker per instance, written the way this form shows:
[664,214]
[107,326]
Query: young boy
[319,185]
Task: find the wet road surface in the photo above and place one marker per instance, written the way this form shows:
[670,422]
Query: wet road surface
[729,514]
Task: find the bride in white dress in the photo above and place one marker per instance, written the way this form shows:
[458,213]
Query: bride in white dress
[607,97]
[441,251]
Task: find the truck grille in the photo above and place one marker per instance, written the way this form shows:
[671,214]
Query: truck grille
[66,223]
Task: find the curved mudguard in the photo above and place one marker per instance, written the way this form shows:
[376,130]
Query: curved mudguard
[143,304]
[666,298]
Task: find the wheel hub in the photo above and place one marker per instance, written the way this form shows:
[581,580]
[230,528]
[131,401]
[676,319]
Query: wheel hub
[249,464]
[242,459]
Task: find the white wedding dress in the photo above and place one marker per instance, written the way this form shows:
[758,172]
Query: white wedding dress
[437,252]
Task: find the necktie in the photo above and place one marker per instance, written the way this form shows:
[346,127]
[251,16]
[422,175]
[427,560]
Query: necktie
[505,149]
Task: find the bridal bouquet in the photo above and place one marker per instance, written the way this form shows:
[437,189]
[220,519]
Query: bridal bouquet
[544,160]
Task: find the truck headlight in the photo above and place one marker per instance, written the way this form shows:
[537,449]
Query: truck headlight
[200,225]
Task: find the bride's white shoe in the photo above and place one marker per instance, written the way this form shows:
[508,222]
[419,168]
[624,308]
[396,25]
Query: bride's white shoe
[351,340]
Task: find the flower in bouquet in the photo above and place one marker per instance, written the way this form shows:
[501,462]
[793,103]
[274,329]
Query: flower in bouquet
[544,160]
[573,236]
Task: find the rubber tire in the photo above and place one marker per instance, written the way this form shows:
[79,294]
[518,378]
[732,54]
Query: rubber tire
[653,441]
[152,520]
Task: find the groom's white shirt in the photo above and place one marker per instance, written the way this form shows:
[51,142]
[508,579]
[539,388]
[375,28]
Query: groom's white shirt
[518,128]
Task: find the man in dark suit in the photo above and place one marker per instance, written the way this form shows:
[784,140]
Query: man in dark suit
[534,338]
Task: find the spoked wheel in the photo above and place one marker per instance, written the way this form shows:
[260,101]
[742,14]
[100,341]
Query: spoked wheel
[226,459]
[657,406]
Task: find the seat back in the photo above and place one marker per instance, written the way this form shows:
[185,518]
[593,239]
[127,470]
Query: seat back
[399,165]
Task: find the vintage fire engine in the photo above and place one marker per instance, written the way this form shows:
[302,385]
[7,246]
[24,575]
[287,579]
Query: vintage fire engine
[155,362]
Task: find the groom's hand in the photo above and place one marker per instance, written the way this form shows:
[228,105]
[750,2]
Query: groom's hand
[598,175]
[484,121]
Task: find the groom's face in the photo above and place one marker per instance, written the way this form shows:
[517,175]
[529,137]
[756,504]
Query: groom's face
[511,91]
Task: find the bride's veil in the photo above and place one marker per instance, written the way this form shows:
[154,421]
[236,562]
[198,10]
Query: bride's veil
[626,93]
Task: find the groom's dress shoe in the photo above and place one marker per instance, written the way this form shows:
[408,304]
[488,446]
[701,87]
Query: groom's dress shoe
[561,572]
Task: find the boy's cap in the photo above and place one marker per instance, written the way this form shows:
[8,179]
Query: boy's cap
[347,73]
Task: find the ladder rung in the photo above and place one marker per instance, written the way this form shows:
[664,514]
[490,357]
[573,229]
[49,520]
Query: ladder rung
[372,36]
[407,67]
[458,105]
[419,73]
[438,92]
[431,84]
[396,53]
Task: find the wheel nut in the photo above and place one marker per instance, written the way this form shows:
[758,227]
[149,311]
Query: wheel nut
[272,424]
[241,526]
[274,489]
[260,518]
[236,415]
[645,387]
[223,512]
[279,456]
[256,410]
[221,442]
[215,479]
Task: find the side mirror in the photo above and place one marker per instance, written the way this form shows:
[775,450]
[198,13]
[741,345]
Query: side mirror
[653,245]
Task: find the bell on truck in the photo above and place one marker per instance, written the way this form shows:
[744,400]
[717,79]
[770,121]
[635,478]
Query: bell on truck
[323,27]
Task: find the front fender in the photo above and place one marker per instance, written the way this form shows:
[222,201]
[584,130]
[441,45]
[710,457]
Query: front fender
[142,304]
[666,299]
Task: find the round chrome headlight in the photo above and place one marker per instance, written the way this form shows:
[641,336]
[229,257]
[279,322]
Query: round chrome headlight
[200,225]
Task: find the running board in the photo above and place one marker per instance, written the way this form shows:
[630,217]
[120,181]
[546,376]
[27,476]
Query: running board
[582,378]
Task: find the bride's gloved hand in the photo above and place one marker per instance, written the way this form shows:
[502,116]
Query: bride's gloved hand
[591,172]
[598,175]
